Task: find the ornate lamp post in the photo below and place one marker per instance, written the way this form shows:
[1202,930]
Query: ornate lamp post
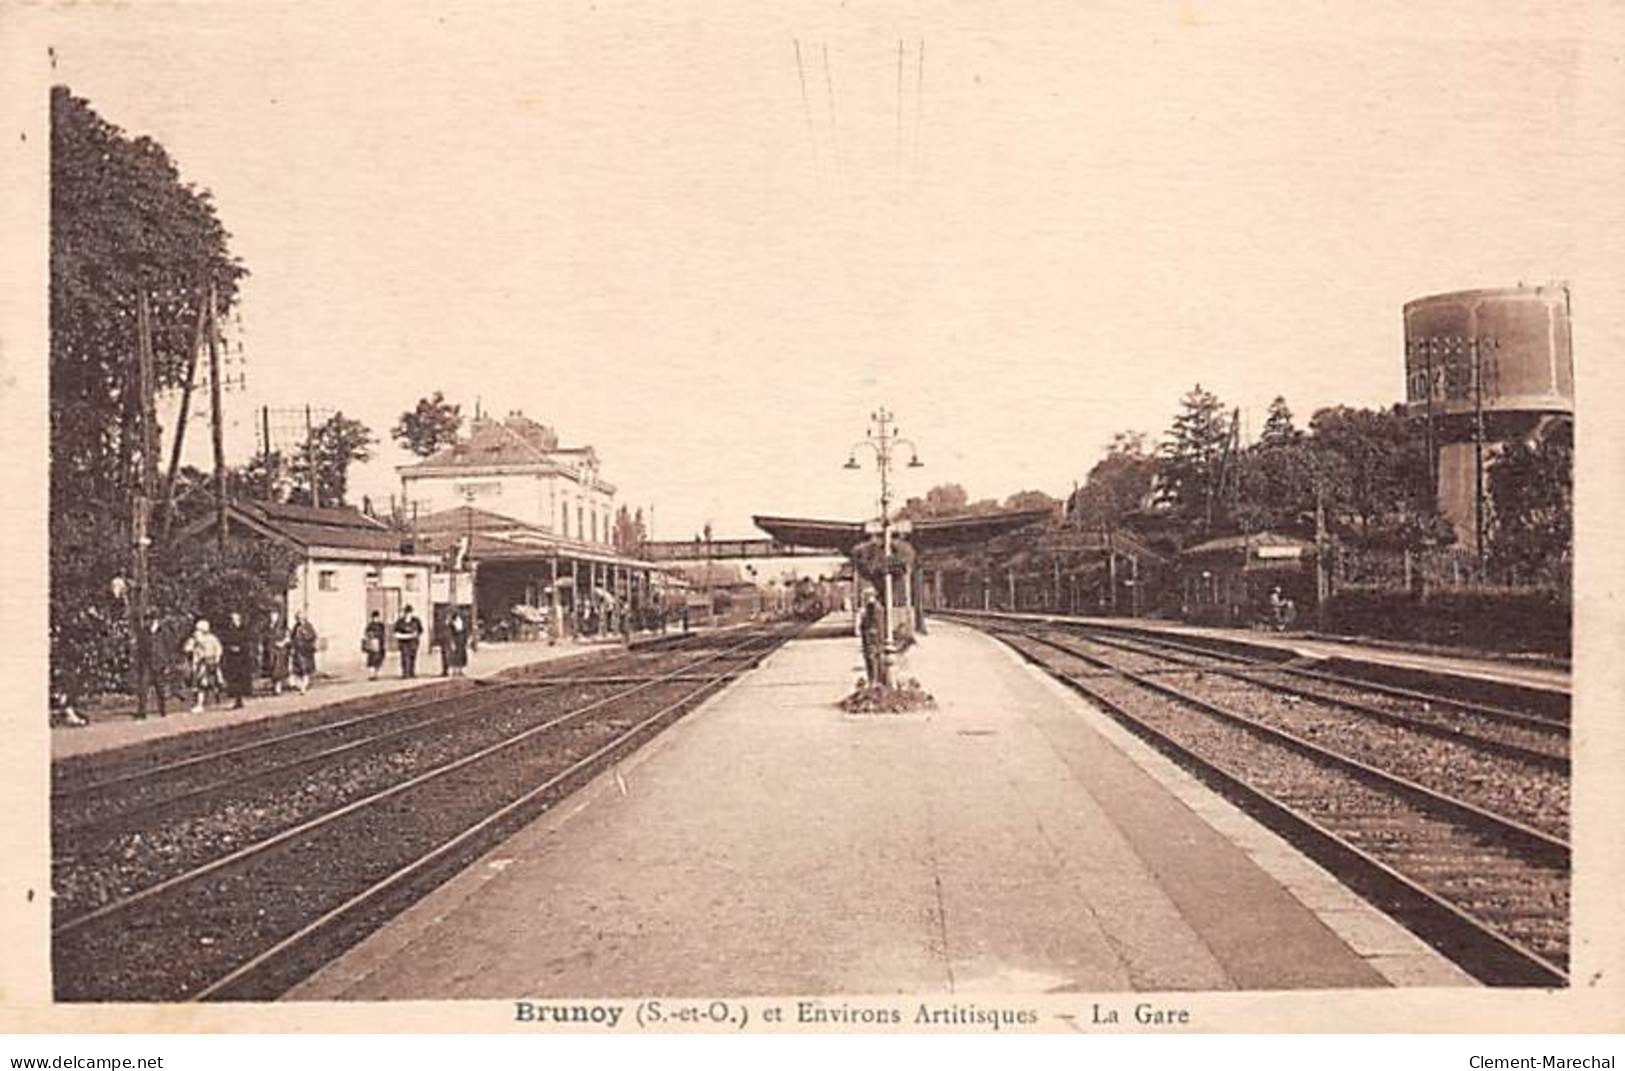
[883,440]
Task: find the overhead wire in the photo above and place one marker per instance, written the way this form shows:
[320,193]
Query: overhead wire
[806,109]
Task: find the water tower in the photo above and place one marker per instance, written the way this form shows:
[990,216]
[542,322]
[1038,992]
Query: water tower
[1484,368]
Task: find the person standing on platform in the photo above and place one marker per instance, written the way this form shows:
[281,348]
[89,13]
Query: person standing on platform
[408,631]
[455,643]
[373,639]
[157,655]
[236,662]
[202,650]
[276,652]
[869,629]
[302,653]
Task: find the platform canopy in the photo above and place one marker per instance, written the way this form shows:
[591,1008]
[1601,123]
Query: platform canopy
[932,533]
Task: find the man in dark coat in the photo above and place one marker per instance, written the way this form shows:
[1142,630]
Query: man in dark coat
[870,628]
[236,660]
[408,631]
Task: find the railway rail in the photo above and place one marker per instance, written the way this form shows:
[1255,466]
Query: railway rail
[116,790]
[1488,889]
[251,881]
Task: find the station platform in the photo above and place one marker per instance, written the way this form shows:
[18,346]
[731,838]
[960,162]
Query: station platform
[116,728]
[1509,670]
[1012,840]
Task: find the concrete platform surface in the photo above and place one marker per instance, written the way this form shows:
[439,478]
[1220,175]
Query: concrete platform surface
[108,731]
[1012,840]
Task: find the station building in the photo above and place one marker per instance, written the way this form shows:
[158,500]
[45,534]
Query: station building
[524,528]
[515,468]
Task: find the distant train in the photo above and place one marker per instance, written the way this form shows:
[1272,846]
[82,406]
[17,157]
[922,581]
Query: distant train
[809,603]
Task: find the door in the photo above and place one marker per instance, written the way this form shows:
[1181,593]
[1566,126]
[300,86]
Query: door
[387,601]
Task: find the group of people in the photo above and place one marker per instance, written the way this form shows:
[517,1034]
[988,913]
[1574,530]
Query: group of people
[218,663]
[407,632]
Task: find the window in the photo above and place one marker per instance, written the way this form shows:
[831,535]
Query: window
[411,581]
[581,524]
[595,527]
[327,580]
[564,519]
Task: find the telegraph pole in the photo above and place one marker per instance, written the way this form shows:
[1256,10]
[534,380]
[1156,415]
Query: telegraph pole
[1477,347]
[218,425]
[310,461]
[141,514]
[181,417]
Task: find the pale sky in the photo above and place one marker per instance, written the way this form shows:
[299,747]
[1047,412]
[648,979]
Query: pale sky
[623,220]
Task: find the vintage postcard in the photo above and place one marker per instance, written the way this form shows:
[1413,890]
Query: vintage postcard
[1063,518]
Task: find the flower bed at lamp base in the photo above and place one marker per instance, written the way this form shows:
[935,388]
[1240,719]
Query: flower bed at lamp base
[905,697]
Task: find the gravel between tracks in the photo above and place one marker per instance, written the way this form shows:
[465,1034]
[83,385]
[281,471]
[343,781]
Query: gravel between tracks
[1524,901]
[1506,786]
[170,945]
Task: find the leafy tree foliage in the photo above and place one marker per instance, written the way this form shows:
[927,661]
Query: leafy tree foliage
[1374,470]
[1278,427]
[1024,500]
[943,500]
[1531,489]
[1118,485]
[432,425]
[1192,460]
[336,444]
[122,221]
[1275,488]
[630,532]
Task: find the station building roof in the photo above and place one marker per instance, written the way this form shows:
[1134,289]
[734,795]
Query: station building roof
[1270,545]
[933,533]
[324,532]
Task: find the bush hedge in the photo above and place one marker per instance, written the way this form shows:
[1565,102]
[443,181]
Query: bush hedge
[1487,620]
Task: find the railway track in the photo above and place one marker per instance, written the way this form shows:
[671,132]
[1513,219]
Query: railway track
[1532,739]
[1488,890]
[118,791]
[250,883]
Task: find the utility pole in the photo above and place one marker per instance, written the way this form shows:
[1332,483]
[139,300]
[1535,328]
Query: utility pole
[1477,348]
[310,461]
[270,468]
[218,428]
[1323,580]
[181,417]
[141,514]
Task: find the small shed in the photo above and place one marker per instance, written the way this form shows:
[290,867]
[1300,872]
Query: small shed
[1227,581]
[351,564]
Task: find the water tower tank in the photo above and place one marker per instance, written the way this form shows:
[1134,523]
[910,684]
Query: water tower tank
[1522,334]
[1496,359]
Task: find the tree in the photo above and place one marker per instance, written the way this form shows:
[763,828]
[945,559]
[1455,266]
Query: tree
[432,425]
[1023,500]
[1119,483]
[337,443]
[1192,460]
[943,500]
[1275,487]
[1374,471]
[122,222]
[629,531]
[1531,490]
[1278,427]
